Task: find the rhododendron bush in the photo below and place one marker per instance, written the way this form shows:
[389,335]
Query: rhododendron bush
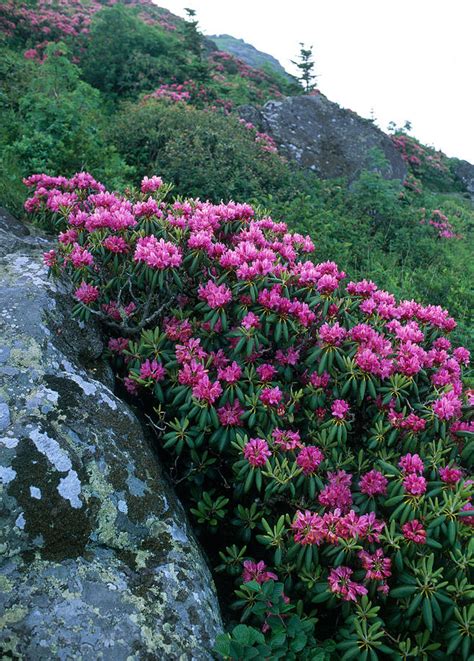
[317,428]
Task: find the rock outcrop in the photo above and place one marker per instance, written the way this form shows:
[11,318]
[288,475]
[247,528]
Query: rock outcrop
[97,559]
[249,54]
[321,136]
[464,173]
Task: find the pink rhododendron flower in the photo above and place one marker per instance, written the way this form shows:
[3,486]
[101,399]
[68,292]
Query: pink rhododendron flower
[50,258]
[414,531]
[67,237]
[462,355]
[319,381]
[341,585]
[152,370]
[308,528]
[266,372]
[411,463]
[309,458]
[450,475]
[131,386]
[206,390]
[370,527]
[230,414]
[373,483]
[377,566]
[414,484]
[448,406]
[179,330]
[257,571]
[118,344]
[216,296]
[289,357]
[150,185]
[337,493]
[339,408]
[286,439]
[271,396]
[80,257]
[158,254]
[191,373]
[250,321]
[86,293]
[192,349]
[256,451]
[230,374]
[332,335]
[116,244]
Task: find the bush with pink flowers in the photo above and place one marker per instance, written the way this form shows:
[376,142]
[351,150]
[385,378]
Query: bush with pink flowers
[316,428]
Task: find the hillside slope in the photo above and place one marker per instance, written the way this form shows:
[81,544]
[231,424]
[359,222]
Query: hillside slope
[249,54]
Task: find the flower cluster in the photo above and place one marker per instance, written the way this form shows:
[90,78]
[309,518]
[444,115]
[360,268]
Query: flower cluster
[328,417]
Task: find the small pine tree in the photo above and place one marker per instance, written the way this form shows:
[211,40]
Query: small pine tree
[192,37]
[193,43]
[305,65]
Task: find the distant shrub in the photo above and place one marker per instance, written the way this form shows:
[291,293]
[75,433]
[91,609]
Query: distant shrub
[431,166]
[205,154]
[52,121]
[319,430]
[125,55]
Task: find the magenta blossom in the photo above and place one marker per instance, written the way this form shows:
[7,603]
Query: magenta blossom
[86,293]
[257,571]
[286,439]
[158,254]
[152,370]
[256,451]
[266,372]
[414,484]
[271,396]
[309,458]
[377,566]
[339,408]
[216,296]
[308,528]
[411,463]
[450,475]
[150,185]
[373,483]
[230,414]
[206,390]
[341,585]
[414,532]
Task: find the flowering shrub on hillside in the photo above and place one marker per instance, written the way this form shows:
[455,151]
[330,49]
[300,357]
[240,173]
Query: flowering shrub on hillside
[440,222]
[319,427]
[429,165]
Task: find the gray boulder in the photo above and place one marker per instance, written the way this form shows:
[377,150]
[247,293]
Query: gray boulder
[325,138]
[464,173]
[97,558]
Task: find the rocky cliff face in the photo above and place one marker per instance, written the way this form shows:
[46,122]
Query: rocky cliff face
[464,173]
[97,559]
[249,54]
[323,137]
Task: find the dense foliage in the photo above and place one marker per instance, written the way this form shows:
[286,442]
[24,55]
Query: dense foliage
[127,89]
[317,428]
[205,154]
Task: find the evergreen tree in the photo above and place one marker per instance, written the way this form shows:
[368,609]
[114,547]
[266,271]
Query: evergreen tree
[305,65]
[192,38]
[193,43]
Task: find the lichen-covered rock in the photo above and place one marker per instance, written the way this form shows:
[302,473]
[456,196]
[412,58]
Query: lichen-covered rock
[98,560]
[325,138]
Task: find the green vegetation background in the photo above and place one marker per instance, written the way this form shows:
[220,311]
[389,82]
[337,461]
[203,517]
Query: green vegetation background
[60,117]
